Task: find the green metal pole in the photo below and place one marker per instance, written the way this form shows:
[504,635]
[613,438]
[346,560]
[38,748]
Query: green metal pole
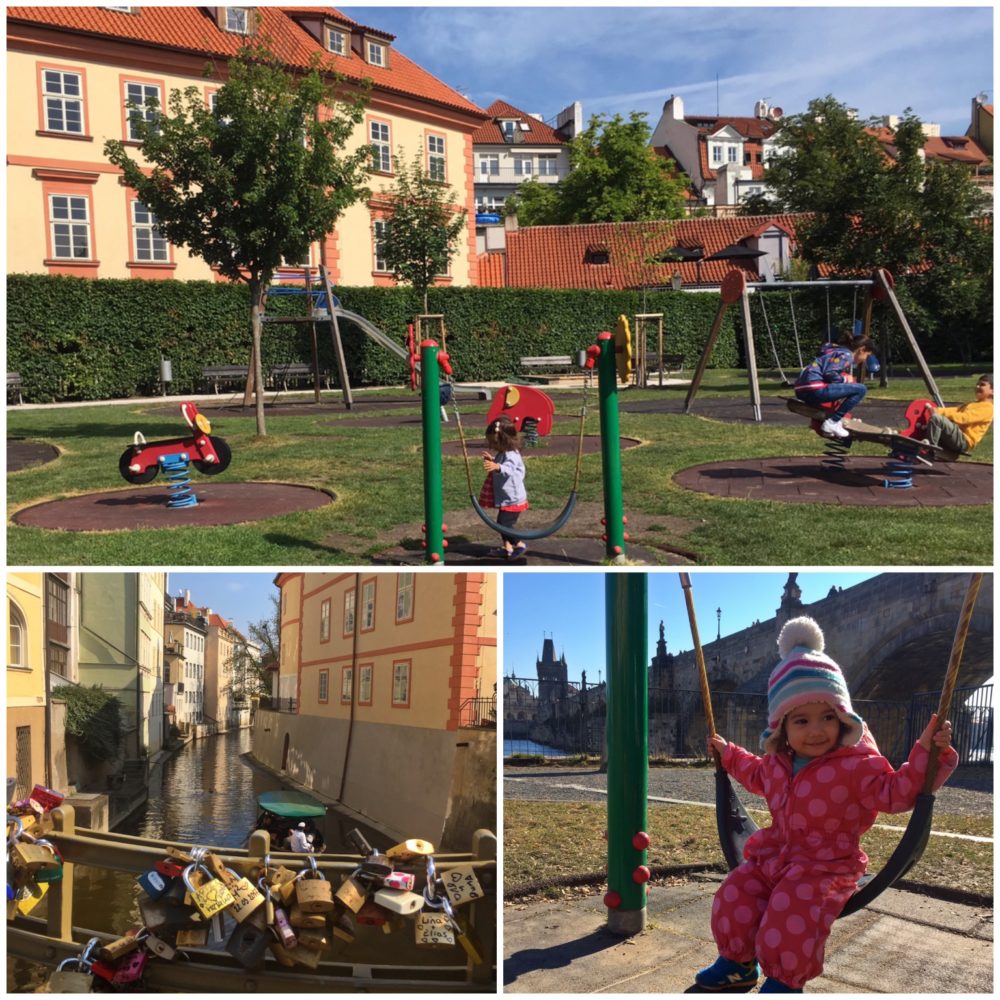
[611,458]
[628,751]
[430,409]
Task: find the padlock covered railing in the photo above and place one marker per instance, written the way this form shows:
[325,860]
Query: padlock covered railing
[57,938]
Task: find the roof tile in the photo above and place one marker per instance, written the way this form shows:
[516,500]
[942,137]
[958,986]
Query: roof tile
[538,134]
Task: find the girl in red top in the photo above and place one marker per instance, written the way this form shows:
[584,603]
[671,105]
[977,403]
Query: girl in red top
[825,783]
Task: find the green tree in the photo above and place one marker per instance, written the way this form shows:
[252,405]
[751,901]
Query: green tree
[266,635]
[254,180]
[864,209]
[423,228]
[615,177]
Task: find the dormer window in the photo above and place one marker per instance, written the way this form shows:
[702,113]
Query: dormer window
[376,53]
[238,20]
[597,253]
[336,41]
[509,129]
[120,8]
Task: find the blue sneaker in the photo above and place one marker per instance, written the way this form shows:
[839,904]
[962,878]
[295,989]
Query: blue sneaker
[725,974]
[776,986]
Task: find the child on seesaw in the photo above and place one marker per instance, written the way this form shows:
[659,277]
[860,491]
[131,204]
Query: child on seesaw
[825,783]
[961,428]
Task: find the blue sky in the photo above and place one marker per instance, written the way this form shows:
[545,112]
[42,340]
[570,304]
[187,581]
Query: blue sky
[242,598]
[622,59]
[569,607]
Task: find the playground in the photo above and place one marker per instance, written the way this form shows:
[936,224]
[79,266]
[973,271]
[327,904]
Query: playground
[707,488]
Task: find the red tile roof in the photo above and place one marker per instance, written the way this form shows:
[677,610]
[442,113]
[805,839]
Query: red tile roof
[959,148]
[538,133]
[491,269]
[555,256]
[749,127]
[194,30]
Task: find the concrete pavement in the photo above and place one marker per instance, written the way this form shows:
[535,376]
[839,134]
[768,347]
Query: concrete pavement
[902,943]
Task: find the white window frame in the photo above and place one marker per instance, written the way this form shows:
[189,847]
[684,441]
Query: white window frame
[380,136]
[376,53]
[323,693]
[489,164]
[341,48]
[367,605]
[159,248]
[732,153]
[437,164]
[716,152]
[324,620]
[74,227]
[133,107]
[524,165]
[58,97]
[233,24]
[379,227]
[350,603]
[548,165]
[347,685]
[401,683]
[405,584]
[365,671]
[17,636]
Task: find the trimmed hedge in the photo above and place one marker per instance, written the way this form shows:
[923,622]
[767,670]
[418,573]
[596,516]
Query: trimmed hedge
[80,339]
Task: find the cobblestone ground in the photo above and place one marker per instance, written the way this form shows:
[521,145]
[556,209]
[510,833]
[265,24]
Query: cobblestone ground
[968,793]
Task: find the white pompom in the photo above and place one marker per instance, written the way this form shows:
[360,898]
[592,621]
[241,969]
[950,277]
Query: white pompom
[800,632]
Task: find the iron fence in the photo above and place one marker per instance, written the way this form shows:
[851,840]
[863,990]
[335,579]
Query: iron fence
[478,713]
[540,721]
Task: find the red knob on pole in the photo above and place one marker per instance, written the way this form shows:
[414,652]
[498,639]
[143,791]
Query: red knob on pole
[641,840]
[612,900]
[641,875]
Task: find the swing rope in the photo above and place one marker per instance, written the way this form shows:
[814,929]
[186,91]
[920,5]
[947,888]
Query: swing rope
[526,534]
[774,349]
[795,328]
[735,826]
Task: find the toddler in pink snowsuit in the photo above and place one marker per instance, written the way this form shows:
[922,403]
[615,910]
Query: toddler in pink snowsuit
[825,783]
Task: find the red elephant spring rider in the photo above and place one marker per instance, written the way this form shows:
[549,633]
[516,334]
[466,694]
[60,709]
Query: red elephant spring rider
[141,461]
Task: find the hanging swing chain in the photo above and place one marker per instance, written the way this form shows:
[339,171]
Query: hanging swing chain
[699,655]
[795,327]
[948,689]
[774,349]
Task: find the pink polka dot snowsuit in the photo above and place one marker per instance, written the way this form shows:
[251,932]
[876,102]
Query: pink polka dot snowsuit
[780,904]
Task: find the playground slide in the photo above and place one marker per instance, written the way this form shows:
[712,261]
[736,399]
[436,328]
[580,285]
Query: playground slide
[375,333]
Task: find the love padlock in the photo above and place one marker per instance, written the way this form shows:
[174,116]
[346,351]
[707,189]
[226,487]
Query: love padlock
[371,914]
[312,891]
[276,918]
[410,849]
[53,871]
[119,948]
[246,897]
[73,974]
[399,880]
[211,897]
[154,884]
[248,944]
[400,901]
[352,893]
[28,897]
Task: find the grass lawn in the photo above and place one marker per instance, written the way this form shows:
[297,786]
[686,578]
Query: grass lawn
[544,840]
[376,474]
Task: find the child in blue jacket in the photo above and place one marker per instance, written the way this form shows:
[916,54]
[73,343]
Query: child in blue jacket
[829,379]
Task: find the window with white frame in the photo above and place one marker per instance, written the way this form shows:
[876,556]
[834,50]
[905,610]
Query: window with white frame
[716,152]
[489,164]
[149,242]
[489,202]
[336,41]
[404,597]
[435,158]
[368,605]
[17,634]
[376,53]
[347,685]
[324,685]
[401,683]
[508,128]
[62,95]
[379,136]
[349,599]
[324,621]
[69,220]
[238,20]
[548,165]
[365,684]
[732,152]
[136,96]
[522,165]
[380,229]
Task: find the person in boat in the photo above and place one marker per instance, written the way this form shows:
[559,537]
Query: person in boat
[825,783]
[829,378]
[298,840]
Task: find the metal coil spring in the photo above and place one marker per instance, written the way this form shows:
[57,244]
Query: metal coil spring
[835,453]
[175,468]
[899,471]
[529,432]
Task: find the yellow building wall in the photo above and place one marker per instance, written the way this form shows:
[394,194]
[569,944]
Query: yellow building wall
[352,247]
[26,685]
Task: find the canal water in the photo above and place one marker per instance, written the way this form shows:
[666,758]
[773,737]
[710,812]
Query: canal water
[205,795]
[511,747]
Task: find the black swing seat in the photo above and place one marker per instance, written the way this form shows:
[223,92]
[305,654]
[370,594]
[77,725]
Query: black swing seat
[736,827]
[527,534]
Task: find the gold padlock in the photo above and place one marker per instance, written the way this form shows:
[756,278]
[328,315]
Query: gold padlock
[210,898]
[312,891]
[30,896]
[193,938]
[343,928]
[461,884]
[314,938]
[281,953]
[299,919]
[434,930]
[246,898]
[469,941]
[411,849]
[352,894]
[30,857]
[118,948]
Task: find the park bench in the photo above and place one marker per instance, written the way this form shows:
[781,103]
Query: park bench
[14,387]
[553,364]
[216,375]
[670,362]
[295,374]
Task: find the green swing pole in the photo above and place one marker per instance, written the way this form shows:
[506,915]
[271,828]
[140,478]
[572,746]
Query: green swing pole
[430,410]
[628,751]
[611,458]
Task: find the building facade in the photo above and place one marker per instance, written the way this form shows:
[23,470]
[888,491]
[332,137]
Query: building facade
[377,672]
[78,69]
[185,639]
[150,655]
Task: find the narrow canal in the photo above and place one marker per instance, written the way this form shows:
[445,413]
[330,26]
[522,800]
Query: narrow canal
[203,796]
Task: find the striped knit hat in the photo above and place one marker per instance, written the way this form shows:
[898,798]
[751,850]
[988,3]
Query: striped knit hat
[805,675]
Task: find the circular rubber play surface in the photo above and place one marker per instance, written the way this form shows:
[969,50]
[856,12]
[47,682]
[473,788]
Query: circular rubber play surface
[23,454]
[146,507]
[860,483]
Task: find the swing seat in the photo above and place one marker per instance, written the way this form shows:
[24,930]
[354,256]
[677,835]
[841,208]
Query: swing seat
[527,534]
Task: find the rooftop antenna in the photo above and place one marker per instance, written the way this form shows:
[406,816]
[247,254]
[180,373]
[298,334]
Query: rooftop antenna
[717,112]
